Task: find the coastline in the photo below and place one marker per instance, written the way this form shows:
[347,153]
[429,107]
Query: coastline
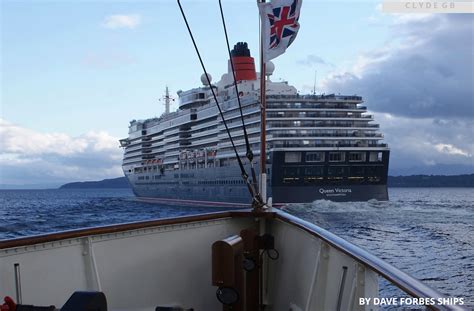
[412,181]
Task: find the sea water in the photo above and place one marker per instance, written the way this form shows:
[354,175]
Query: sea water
[427,232]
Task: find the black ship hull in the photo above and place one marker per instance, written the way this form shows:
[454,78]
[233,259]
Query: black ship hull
[290,180]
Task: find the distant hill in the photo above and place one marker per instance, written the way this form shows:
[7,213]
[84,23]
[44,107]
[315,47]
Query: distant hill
[29,186]
[466,180]
[120,182]
[436,170]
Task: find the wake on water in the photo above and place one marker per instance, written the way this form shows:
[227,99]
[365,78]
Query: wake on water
[429,236]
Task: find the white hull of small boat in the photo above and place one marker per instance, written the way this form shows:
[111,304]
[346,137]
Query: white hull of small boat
[172,262]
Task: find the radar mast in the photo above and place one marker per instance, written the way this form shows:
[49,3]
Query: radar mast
[168,99]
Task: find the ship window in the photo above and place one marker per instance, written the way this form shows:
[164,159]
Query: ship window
[314,171]
[373,174]
[292,157]
[313,179]
[291,171]
[357,174]
[336,157]
[337,171]
[314,156]
[290,180]
[357,171]
[375,157]
[357,156]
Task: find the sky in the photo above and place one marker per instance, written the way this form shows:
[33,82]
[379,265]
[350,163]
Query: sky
[74,73]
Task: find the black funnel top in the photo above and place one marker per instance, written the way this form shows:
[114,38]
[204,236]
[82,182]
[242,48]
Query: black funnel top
[240,49]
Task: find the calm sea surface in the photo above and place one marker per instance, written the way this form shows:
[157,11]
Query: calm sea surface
[427,232]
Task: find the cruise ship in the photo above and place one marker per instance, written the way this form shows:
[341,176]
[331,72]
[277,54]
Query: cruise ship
[317,146]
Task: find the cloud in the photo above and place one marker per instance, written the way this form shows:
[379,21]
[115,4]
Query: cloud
[419,86]
[425,72]
[417,142]
[31,157]
[450,149]
[130,21]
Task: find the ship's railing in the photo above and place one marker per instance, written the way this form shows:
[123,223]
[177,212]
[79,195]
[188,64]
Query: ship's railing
[298,144]
[314,107]
[318,135]
[281,123]
[310,116]
[302,115]
[316,97]
[400,279]
[276,142]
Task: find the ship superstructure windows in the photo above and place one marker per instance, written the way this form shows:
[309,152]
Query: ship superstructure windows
[342,171]
[314,157]
[337,156]
[337,172]
[375,157]
[292,157]
[357,156]
[316,172]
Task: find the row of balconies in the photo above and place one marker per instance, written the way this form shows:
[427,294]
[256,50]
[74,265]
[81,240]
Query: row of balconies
[320,106]
[310,142]
[298,108]
[288,144]
[305,118]
[321,135]
[322,97]
[317,114]
[252,131]
[316,124]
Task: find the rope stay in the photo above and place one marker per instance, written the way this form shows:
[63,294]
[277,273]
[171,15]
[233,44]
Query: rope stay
[249,152]
[256,198]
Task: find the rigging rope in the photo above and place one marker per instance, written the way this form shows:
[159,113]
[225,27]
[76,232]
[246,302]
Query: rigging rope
[256,198]
[249,152]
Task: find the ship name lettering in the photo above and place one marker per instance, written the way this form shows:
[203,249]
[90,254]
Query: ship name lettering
[335,190]
[325,191]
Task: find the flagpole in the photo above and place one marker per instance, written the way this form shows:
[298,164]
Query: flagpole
[263,117]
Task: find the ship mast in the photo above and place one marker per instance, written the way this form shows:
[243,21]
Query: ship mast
[167,101]
[263,116]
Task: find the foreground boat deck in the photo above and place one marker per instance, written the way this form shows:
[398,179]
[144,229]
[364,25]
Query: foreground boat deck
[168,262]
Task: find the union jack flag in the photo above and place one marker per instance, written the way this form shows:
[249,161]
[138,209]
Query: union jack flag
[280,25]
